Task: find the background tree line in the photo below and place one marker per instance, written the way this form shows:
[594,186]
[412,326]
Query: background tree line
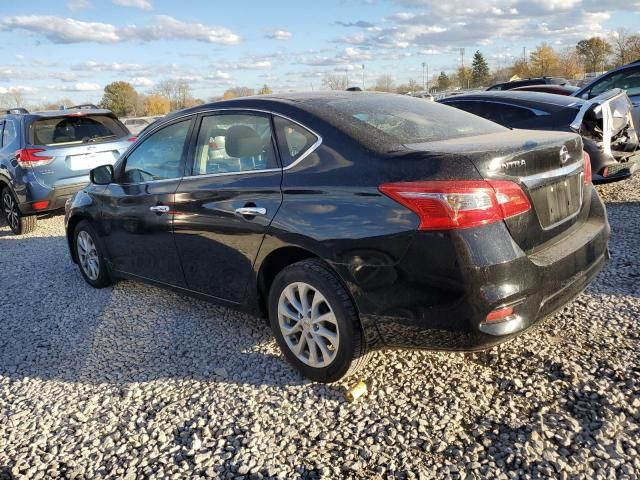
[587,56]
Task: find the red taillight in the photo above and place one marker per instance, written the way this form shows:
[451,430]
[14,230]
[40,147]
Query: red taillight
[133,139]
[587,167]
[448,205]
[29,157]
[40,205]
[499,314]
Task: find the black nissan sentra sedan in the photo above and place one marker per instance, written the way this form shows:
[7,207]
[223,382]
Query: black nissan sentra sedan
[352,221]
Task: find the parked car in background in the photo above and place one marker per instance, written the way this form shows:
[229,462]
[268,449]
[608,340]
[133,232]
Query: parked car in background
[556,89]
[613,157]
[45,157]
[352,220]
[137,124]
[626,78]
[423,95]
[529,81]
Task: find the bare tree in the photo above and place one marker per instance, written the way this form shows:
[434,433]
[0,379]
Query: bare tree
[626,46]
[177,91]
[11,99]
[336,82]
[384,83]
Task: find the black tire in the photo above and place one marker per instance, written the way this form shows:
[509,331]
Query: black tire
[351,353]
[18,223]
[102,278]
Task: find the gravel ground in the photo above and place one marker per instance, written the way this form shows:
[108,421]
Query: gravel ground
[135,382]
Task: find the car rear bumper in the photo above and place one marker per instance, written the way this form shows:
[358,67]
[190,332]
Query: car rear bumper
[439,296]
[55,197]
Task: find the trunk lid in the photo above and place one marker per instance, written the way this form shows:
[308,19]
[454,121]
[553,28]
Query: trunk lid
[548,166]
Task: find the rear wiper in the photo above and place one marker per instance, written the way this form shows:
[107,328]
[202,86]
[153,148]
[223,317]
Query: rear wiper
[95,139]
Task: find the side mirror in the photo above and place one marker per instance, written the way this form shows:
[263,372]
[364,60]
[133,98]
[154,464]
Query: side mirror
[102,175]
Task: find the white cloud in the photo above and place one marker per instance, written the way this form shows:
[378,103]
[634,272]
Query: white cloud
[219,75]
[280,35]
[166,27]
[143,4]
[68,30]
[82,87]
[18,89]
[74,5]
[141,82]
[63,30]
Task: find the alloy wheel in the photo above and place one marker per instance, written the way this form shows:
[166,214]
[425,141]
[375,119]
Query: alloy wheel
[88,255]
[11,211]
[308,324]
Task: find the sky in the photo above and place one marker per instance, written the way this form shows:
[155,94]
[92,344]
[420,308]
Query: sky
[73,48]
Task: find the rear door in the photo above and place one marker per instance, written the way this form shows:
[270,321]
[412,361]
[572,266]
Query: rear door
[137,214]
[224,208]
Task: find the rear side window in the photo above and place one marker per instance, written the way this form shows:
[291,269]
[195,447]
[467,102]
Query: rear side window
[75,129]
[409,120]
[9,134]
[293,140]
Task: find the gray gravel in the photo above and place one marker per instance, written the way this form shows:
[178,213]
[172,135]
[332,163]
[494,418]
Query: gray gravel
[135,382]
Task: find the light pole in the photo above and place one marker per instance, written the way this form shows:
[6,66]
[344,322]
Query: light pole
[423,82]
[363,77]
[427,78]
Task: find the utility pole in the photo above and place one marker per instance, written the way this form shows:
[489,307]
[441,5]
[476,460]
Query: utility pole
[363,77]
[462,57]
[423,79]
[524,55]
[427,77]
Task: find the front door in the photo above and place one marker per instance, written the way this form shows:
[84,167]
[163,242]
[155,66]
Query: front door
[137,220]
[225,207]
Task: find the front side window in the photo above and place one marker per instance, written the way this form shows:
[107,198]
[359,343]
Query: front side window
[232,143]
[293,140]
[159,157]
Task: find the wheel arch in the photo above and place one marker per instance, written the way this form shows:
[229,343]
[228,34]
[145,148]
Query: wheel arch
[72,223]
[274,263]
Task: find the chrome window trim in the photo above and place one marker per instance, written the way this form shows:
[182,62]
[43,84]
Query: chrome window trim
[308,152]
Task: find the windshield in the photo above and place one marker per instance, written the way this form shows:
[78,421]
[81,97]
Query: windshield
[411,120]
[75,129]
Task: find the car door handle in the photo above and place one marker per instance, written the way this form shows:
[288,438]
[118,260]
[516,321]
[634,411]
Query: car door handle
[160,208]
[251,211]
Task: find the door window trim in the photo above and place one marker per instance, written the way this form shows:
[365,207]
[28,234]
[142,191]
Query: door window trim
[202,113]
[122,163]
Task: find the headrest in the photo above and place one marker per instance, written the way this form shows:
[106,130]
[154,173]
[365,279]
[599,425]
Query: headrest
[242,141]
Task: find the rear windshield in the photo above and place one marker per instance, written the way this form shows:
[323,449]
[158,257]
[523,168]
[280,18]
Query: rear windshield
[75,129]
[411,120]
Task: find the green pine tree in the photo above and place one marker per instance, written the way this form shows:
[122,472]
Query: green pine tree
[480,74]
[443,81]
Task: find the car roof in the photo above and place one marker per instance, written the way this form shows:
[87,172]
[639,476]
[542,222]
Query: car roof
[301,100]
[72,111]
[556,102]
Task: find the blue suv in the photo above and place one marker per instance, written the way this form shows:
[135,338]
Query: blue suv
[45,157]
